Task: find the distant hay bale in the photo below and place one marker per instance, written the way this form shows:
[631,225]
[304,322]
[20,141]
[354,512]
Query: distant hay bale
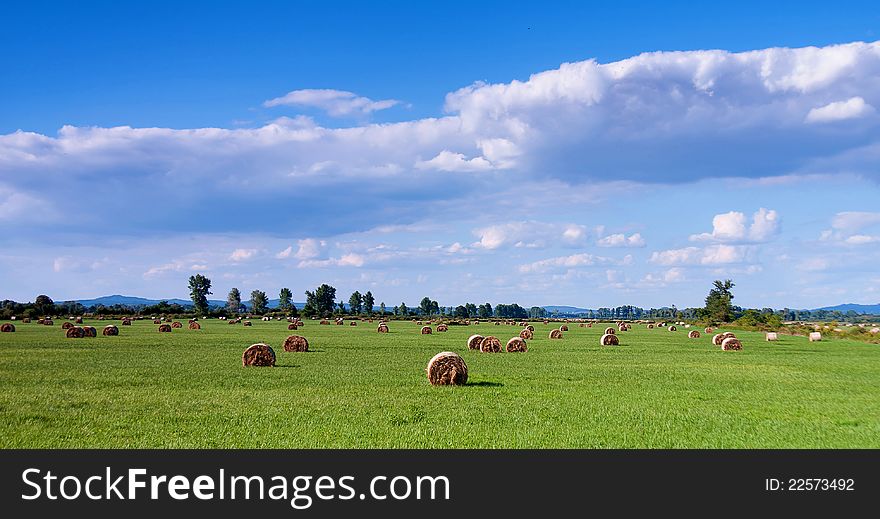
[353,323]
[582,325]
[426,330]
[609,331]
[772,336]
[340,322]
[89,331]
[48,322]
[176,324]
[709,329]
[420,323]
[193,325]
[74,332]
[291,326]
[266,318]
[383,328]
[474,342]
[157,321]
[526,334]
[589,325]
[324,321]
[555,334]
[442,328]
[26,320]
[165,328]
[447,369]
[874,330]
[110,330]
[126,322]
[731,344]
[672,328]
[78,320]
[717,339]
[66,324]
[258,355]
[296,343]
[815,336]
[490,344]
[564,328]
[517,345]
[7,328]
[693,334]
[247,323]
[622,327]
[609,339]
[530,328]
[546,321]
[650,326]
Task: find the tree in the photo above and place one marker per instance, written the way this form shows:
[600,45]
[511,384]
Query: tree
[718,307]
[233,301]
[425,306]
[259,301]
[403,309]
[484,311]
[369,301]
[355,302]
[321,302]
[381,307]
[471,309]
[199,289]
[44,305]
[284,300]
[460,311]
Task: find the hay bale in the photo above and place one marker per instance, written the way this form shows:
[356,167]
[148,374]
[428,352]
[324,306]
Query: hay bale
[815,336]
[771,336]
[48,322]
[165,328]
[589,325]
[526,334]
[426,330]
[563,328]
[193,325]
[447,369]
[292,326]
[555,334]
[7,328]
[530,328]
[110,330]
[353,323]
[157,321]
[874,330]
[340,322]
[622,327]
[324,321]
[443,328]
[78,320]
[672,328]
[74,332]
[247,323]
[126,322]
[693,334]
[383,328]
[490,344]
[718,338]
[89,331]
[731,344]
[296,343]
[650,326]
[258,355]
[26,320]
[66,324]
[177,324]
[709,329]
[474,342]
[609,331]
[609,339]
[517,345]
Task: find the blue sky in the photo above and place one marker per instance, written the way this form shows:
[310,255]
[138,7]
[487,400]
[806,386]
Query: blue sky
[541,153]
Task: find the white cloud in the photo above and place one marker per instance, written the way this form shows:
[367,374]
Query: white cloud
[335,102]
[861,239]
[852,108]
[852,221]
[346,260]
[572,261]
[711,255]
[242,254]
[449,161]
[530,235]
[731,227]
[621,240]
[308,248]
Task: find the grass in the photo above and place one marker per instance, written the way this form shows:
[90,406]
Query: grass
[360,389]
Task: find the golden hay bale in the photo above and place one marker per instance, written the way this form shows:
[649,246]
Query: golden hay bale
[110,330]
[530,328]
[582,325]
[650,326]
[589,325]
[193,325]
[442,328]
[126,322]
[340,322]
[157,321]
[718,338]
[165,328]
[66,324]
[7,328]
[622,328]
[709,329]
[672,328]
[353,323]
[609,331]
[247,323]
[609,339]
[447,369]
[383,328]
[296,343]
[324,321]
[474,342]
[26,320]
[258,355]
[420,323]
[292,326]
[526,334]
[426,330]
[563,328]
[490,344]
[693,334]
[48,322]
[78,320]
[555,334]
[731,344]
[546,321]
[815,336]
[89,331]
[177,324]
[517,345]
[74,333]
[772,336]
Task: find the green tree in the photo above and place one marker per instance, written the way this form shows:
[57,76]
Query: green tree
[425,306]
[369,301]
[199,289]
[284,300]
[44,305]
[471,309]
[233,301]
[381,307]
[321,302]
[718,308]
[484,311]
[460,311]
[355,302]
[259,302]
[403,309]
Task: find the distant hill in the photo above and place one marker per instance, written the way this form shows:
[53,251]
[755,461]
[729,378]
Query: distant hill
[135,302]
[859,309]
[565,309]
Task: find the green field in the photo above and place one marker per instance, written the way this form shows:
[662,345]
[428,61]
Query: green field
[357,388]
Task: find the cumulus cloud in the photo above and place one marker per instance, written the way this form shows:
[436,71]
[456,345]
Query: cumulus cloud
[242,254]
[336,103]
[848,228]
[530,234]
[575,260]
[621,240]
[449,161]
[731,227]
[346,260]
[711,255]
[852,108]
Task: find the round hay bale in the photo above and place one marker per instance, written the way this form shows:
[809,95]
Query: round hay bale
[609,331]
[78,320]
[622,328]
[193,325]
[110,330]
[718,338]
[66,324]
[650,326]
[7,328]
[447,369]
[815,336]
[176,324]
[247,323]
[157,321]
[74,332]
[530,328]
[296,343]
[693,334]
[731,344]
[426,330]
[526,334]
[383,328]
[609,339]
[546,321]
[517,345]
[474,342]
[48,322]
[563,328]
[126,322]
[89,331]
[490,344]
[353,323]
[165,328]
[442,328]
[26,320]
[672,328]
[292,326]
[709,329]
[324,321]
[259,355]
[340,322]
[772,336]
[555,334]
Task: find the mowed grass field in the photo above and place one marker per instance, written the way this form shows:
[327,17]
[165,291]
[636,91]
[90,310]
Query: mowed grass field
[361,389]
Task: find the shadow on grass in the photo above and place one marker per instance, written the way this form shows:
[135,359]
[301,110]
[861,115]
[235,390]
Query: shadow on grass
[484,384]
